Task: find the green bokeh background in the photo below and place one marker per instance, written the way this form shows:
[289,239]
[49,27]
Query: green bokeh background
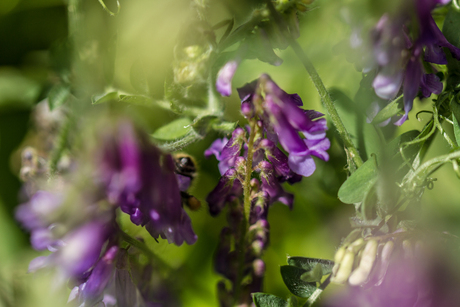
[32,32]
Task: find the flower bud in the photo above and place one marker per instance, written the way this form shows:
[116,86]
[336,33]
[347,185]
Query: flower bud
[360,275]
[344,270]
[384,261]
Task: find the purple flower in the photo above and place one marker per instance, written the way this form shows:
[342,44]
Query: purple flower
[141,180]
[229,186]
[398,57]
[283,120]
[226,153]
[225,76]
[271,185]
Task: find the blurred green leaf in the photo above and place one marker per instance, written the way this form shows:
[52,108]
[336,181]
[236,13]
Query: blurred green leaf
[58,95]
[138,77]
[368,204]
[173,130]
[309,264]
[138,100]
[451,26]
[17,90]
[455,107]
[225,127]
[314,275]
[389,111]
[268,300]
[292,301]
[292,279]
[104,98]
[358,184]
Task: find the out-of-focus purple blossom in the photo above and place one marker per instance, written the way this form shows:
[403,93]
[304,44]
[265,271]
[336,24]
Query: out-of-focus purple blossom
[82,247]
[141,180]
[425,278]
[224,78]
[398,57]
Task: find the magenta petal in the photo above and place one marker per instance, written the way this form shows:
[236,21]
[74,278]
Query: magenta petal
[302,165]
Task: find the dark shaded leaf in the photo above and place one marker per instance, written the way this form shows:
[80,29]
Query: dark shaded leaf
[268,300]
[309,264]
[292,279]
[314,275]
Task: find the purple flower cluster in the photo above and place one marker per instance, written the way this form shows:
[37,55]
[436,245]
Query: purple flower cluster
[275,117]
[399,58]
[141,180]
[78,222]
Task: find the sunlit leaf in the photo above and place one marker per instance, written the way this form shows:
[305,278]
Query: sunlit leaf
[173,130]
[358,184]
[104,98]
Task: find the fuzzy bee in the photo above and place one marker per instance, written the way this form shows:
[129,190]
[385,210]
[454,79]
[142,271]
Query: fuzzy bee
[185,169]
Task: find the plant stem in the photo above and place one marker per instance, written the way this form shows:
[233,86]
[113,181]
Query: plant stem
[326,99]
[60,145]
[247,177]
[247,210]
[328,103]
[312,299]
[141,246]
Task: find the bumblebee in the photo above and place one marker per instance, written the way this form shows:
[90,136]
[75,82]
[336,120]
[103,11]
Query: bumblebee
[186,166]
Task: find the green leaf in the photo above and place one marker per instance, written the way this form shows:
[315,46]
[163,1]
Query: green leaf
[314,275]
[455,107]
[368,205]
[389,111]
[173,130]
[268,300]
[16,90]
[293,302]
[451,26]
[202,124]
[138,77]
[58,95]
[292,279]
[358,184]
[138,100]
[225,127]
[104,98]
[309,264]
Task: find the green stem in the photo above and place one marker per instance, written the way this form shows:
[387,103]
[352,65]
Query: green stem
[247,178]
[141,246]
[326,99]
[247,210]
[328,103]
[60,145]
[441,129]
[312,299]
